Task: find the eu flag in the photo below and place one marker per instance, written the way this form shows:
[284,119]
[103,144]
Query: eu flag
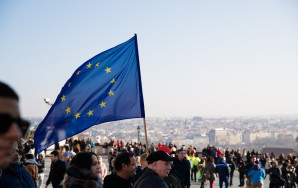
[105,88]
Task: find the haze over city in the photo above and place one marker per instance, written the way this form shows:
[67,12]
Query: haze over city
[197,58]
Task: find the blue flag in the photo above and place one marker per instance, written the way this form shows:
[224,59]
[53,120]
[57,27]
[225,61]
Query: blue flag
[105,88]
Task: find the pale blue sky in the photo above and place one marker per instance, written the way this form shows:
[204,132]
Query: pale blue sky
[197,57]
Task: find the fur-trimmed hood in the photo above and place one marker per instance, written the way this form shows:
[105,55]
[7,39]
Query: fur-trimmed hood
[80,178]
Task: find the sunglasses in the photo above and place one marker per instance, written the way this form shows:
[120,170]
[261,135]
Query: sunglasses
[6,121]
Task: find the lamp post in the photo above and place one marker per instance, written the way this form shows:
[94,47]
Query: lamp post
[138,133]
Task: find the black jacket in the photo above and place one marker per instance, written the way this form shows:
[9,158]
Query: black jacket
[80,178]
[40,165]
[182,168]
[150,179]
[114,181]
[57,172]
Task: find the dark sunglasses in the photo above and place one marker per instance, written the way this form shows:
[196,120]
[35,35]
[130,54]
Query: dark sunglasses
[6,121]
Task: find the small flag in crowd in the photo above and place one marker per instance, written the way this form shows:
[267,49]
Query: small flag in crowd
[105,88]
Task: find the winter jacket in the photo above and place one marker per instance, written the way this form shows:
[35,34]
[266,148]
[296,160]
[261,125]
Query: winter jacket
[150,179]
[182,168]
[57,172]
[17,177]
[259,176]
[41,166]
[114,181]
[33,169]
[274,175]
[212,170]
[222,169]
[80,178]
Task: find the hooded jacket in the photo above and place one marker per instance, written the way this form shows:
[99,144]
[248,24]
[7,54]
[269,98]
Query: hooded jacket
[32,168]
[17,177]
[80,178]
[259,176]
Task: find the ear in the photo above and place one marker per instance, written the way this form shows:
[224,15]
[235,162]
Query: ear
[123,165]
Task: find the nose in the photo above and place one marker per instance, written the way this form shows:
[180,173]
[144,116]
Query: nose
[13,133]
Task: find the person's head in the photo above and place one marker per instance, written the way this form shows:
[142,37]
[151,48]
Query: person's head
[143,160]
[125,165]
[28,156]
[40,156]
[180,154]
[86,163]
[138,160]
[210,159]
[11,125]
[273,163]
[54,156]
[99,158]
[160,162]
[253,159]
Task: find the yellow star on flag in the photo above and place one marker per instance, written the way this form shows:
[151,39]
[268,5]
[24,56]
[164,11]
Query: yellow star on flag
[63,98]
[97,64]
[113,81]
[102,104]
[111,93]
[69,84]
[90,113]
[68,110]
[78,72]
[108,70]
[77,115]
[89,65]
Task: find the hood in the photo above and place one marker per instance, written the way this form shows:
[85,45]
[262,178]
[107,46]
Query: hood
[31,161]
[255,167]
[221,161]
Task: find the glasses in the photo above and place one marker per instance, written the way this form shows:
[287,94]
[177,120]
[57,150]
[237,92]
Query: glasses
[6,121]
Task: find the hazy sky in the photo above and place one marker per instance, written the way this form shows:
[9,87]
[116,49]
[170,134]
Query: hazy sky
[197,57]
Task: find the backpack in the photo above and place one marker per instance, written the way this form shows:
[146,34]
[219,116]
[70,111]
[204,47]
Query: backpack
[207,175]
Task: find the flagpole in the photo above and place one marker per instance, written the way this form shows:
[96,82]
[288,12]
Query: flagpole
[147,148]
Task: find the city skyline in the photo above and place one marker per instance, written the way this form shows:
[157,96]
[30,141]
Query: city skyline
[197,58]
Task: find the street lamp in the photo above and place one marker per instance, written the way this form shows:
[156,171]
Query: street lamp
[138,133]
[47,101]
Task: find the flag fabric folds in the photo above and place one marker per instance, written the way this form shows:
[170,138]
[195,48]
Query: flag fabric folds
[105,88]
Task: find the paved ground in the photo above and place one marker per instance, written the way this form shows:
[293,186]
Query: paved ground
[194,184]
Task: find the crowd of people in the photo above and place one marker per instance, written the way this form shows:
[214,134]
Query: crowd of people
[75,165]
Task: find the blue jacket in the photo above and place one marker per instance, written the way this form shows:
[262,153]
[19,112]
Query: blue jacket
[259,176]
[16,178]
[222,168]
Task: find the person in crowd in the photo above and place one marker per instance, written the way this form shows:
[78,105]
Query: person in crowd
[103,169]
[182,167]
[232,166]
[82,172]
[241,173]
[16,175]
[139,168]
[57,171]
[210,169]
[257,176]
[12,126]
[202,170]
[222,168]
[275,174]
[41,168]
[159,166]
[125,166]
[252,160]
[32,167]
[194,160]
